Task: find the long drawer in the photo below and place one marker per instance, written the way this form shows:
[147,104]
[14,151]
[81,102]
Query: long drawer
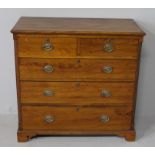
[69,118]
[77,93]
[77,69]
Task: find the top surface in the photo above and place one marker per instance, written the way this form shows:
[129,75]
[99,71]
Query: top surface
[47,25]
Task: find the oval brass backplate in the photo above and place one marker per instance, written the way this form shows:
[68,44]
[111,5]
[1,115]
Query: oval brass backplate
[48,68]
[47,46]
[105,118]
[49,119]
[108,46]
[48,92]
[107,69]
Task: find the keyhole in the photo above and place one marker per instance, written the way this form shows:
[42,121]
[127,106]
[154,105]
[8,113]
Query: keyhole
[78,61]
[77,108]
[77,84]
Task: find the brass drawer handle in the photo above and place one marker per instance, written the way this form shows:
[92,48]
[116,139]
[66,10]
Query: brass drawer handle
[105,118]
[107,69]
[106,93]
[48,68]
[108,46]
[47,46]
[49,119]
[48,92]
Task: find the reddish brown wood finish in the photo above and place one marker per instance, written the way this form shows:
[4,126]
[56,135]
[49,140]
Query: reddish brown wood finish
[73,119]
[77,69]
[77,93]
[30,46]
[42,25]
[26,135]
[78,58]
[122,48]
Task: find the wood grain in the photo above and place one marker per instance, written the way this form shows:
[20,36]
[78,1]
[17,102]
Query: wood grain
[76,69]
[32,46]
[23,136]
[77,93]
[123,48]
[68,118]
[78,58]
[42,25]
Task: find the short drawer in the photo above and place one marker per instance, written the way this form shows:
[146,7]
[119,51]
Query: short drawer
[77,93]
[109,48]
[76,69]
[46,47]
[71,118]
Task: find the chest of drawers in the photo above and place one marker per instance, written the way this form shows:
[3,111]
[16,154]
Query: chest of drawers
[76,76]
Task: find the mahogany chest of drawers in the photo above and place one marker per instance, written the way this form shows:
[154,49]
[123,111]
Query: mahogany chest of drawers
[76,76]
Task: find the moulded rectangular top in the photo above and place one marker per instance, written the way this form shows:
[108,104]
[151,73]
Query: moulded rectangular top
[50,25]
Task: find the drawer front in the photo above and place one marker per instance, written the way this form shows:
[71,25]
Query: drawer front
[76,69]
[109,48]
[77,93]
[46,47]
[69,118]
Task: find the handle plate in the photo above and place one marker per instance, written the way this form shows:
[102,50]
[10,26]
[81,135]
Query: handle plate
[48,92]
[108,46]
[48,68]
[47,46]
[105,118]
[49,119]
[107,69]
[106,93]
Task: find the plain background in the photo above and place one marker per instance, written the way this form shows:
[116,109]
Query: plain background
[145,19]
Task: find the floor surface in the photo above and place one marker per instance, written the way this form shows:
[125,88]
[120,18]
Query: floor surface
[145,128]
